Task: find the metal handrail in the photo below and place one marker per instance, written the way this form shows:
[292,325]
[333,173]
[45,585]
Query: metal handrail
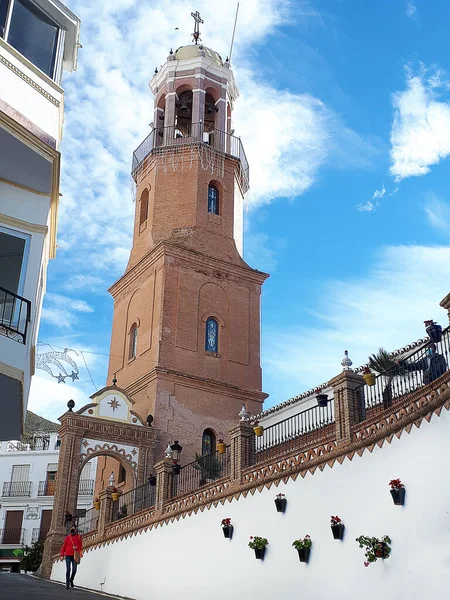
[410,373]
[200,472]
[140,498]
[13,321]
[192,133]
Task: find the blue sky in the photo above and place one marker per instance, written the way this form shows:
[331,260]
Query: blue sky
[345,117]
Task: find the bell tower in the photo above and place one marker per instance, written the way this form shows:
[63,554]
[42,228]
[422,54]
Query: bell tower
[185,340]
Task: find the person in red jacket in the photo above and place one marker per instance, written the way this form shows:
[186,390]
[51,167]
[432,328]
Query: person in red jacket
[72,542]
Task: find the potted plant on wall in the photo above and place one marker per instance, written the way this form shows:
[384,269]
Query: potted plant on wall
[258,544]
[368,376]
[397,492]
[97,504]
[375,548]
[115,494]
[221,446]
[257,428]
[434,331]
[337,527]
[280,503]
[227,528]
[303,548]
[322,400]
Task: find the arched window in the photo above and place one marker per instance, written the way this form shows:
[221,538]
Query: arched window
[208,442]
[212,335]
[213,200]
[133,340]
[144,207]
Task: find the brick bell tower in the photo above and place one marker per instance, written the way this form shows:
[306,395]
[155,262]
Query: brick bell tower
[186,329]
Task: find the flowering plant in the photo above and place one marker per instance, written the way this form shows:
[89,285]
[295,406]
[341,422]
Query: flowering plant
[280,496]
[255,422]
[375,548]
[335,521]
[302,544]
[226,522]
[396,484]
[429,322]
[113,488]
[221,441]
[257,543]
[367,370]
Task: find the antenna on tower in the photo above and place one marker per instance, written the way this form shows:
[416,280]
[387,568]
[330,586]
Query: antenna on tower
[234,31]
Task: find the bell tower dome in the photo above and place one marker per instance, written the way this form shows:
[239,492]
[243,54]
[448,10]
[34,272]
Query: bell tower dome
[186,329]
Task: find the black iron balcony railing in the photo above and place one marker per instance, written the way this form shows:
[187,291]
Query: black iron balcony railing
[408,372]
[285,434]
[15,489]
[46,488]
[140,498]
[86,487]
[192,133]
[12,536]
[88,522]
[15,314]
[32,444]
[200,472]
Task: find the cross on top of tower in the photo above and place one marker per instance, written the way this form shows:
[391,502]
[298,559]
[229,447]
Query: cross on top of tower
[196,35]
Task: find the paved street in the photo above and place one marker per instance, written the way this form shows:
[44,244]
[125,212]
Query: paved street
[23,587]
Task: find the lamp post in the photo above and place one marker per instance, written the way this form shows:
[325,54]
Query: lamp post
[176,455]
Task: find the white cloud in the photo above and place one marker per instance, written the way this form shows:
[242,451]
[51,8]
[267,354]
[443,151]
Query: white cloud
[387,308]
[370,206]
[420,134]
[438,213]
[411,10]
[61,311]
[49,398]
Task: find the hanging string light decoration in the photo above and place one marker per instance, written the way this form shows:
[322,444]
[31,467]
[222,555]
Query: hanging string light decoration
[46,361]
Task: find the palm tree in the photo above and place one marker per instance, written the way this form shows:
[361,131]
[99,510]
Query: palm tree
[387,367]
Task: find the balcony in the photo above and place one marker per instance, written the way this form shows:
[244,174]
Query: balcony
[12,536]
[38,534]
[46,488]
[86,487]
[193,134]
[16,489]
[36,444]
[15,314]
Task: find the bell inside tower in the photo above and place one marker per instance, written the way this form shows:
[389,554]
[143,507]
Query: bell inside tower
[183,114]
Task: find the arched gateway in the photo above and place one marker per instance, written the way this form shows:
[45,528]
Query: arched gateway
[106,427]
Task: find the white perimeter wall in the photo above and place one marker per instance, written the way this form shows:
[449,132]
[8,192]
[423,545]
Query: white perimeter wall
[190,558]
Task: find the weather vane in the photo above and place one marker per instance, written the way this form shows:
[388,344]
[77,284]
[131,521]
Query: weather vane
[44,360]
[196,35]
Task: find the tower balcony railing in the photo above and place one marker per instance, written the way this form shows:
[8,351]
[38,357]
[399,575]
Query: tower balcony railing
[15,314]
[192,133]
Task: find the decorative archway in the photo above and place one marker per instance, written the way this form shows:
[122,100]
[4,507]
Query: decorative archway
[107,426]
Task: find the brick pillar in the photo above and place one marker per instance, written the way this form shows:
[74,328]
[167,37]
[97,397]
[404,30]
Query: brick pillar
[106,510]
[446,304]
[349,404]
[66,492]
[242,448]
[163,480]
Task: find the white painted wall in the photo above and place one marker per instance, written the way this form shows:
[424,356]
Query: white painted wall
[16,91]
[191,558]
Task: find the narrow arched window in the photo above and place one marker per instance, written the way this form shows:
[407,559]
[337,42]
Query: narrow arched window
[208,442]
[144,207]
[213,200]
[133,341]
[212,335]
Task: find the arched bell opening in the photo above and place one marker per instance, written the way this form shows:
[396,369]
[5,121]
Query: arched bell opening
[183,114]
[210,119]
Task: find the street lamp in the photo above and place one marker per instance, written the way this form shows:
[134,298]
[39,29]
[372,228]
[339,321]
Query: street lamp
[176,451]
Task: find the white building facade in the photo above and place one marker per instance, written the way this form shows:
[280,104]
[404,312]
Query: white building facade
[38,40]
[27,478]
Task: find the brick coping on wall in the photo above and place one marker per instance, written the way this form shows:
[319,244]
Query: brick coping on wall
[377,430]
